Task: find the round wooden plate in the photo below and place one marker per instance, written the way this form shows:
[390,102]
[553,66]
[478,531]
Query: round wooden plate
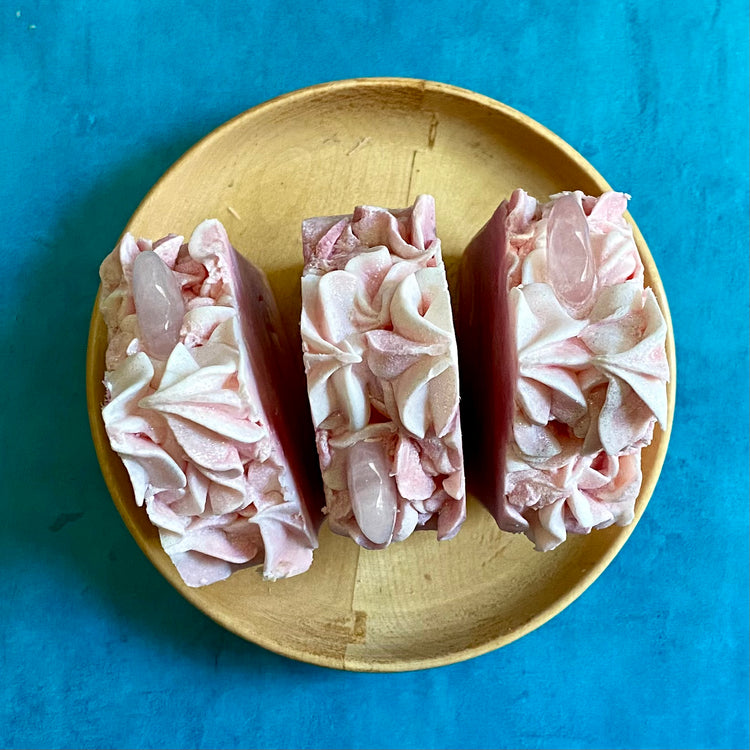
[322,151]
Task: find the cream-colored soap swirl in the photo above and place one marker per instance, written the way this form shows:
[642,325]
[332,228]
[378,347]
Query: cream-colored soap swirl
[344,314]
[418,357]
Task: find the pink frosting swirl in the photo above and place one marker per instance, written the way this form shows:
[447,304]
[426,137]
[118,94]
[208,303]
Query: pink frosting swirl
[586,492]
[191,430]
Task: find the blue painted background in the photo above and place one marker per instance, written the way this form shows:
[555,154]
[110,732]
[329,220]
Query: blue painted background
[96,101]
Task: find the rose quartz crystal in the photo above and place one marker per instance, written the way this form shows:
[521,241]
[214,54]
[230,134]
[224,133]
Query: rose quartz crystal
[200,403]
[382,375]
[576,398]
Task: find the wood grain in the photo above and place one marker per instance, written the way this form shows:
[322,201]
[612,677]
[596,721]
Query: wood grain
[322,151]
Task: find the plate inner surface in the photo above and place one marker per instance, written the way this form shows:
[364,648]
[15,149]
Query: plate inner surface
[322,151]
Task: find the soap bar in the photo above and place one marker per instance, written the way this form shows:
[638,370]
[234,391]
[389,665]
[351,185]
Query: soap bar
[564,365]
[201,406]
[382,373]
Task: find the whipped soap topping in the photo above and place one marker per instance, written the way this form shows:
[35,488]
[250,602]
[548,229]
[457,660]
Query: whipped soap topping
[381,363]
[592,367]
[184,413]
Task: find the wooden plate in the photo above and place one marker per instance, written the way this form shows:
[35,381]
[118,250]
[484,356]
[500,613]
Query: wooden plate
[320,151]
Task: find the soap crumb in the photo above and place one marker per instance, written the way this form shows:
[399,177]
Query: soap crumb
[18,14]
[32,25]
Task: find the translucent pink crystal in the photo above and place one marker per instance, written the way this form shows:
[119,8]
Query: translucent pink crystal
[570,261]
[159,306]
[372,491]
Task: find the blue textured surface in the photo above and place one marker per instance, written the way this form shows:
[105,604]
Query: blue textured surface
[96,649]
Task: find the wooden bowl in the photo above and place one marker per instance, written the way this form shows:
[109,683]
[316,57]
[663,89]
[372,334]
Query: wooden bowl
[320,151]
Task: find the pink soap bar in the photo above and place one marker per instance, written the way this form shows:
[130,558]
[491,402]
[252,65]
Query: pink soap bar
[382,373]
[202,405]
[564,365]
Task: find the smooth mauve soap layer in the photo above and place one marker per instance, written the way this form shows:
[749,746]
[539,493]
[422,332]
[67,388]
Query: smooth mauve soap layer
[487,356]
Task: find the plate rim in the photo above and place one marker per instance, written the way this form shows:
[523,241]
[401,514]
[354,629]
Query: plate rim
[354,663]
